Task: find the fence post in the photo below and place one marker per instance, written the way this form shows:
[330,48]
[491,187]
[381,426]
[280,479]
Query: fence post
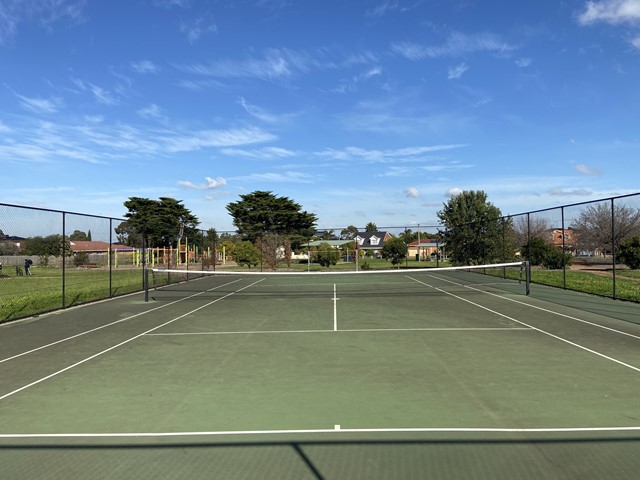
[613,245]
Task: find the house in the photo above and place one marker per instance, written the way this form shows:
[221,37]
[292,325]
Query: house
[426,248]
[372,241]
[559,237]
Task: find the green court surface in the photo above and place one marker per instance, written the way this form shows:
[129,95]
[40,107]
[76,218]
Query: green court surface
[411,375]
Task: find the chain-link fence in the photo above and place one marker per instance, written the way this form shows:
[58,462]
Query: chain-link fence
[587,247]
[52,259]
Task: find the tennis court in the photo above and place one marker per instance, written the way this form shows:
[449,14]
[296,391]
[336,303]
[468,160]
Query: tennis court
[411,375]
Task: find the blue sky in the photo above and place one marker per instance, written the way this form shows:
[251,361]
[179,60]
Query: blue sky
[361,111]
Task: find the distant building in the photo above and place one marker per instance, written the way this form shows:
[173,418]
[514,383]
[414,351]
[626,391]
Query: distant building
[372,241]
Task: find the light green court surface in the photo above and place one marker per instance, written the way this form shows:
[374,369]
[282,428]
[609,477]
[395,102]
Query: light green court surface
[398,376]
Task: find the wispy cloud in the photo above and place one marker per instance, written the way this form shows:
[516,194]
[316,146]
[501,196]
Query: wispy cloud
[266,153]
[587,170]
[457,71]
[636,42]
[152,111]
[523,62]
[611,11]
[574,192]
[44,13]
[145,66]
[212,183]
[258,112]
[284,177]
[457,44]
[100,94]
[384,156]
[41,105]
[195,29]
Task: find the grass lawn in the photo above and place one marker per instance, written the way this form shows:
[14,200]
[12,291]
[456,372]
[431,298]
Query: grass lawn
[22,296]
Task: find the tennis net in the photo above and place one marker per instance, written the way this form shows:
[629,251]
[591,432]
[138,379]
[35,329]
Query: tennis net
[511,277]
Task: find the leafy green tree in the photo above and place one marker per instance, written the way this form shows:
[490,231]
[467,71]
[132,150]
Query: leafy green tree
[539,252]
[78,235]
[370,227]
[326,255]
[261,213]
[349,233]
[628,252]
[52,245]
[161,221]
[475,231]
[395,250]
[127,235]
[245,253]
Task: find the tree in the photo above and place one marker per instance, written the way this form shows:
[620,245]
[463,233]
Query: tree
[260,213]
[628,252]
[52,245]
[475,231]
[326,255]
[349,233]
[161,221]
[370,227]
[245,253]
[395,250]
[78,235]
[593,226]
[539,252]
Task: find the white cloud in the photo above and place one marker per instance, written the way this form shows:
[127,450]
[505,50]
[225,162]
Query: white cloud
[217,138]
[152,111]
[412,192]
[145,66]
[41,105]
[4,128]
[575,192]
[611,11]
[523,62]
[195,29]
[636,42]
[258,112]
[267,153]
[286,177]
[453,192]
[587,170]
[457,44]
[212,183]
[457,71]
[45,13]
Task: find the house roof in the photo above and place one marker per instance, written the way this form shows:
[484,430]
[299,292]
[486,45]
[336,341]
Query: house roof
[96,246]
[365,239]
[333,243]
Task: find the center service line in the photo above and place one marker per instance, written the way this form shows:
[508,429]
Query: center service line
[335,309]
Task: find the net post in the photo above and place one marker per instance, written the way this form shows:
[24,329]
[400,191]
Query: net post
[146,284]
[527,274]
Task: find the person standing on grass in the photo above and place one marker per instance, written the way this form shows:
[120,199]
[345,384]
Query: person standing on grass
[27,266]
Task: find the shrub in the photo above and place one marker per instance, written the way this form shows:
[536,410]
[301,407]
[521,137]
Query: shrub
[629,252]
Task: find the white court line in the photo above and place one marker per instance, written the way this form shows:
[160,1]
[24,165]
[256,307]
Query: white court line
[335,309]
[320,430]
[112,323]
[530,326]
[355,330]
[121,343]
[539,308]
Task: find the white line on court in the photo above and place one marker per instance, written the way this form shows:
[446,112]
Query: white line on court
[335,309]
[530,326]
[122,343]
[355,330]
[320,430]
[539,308]
[112,323]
